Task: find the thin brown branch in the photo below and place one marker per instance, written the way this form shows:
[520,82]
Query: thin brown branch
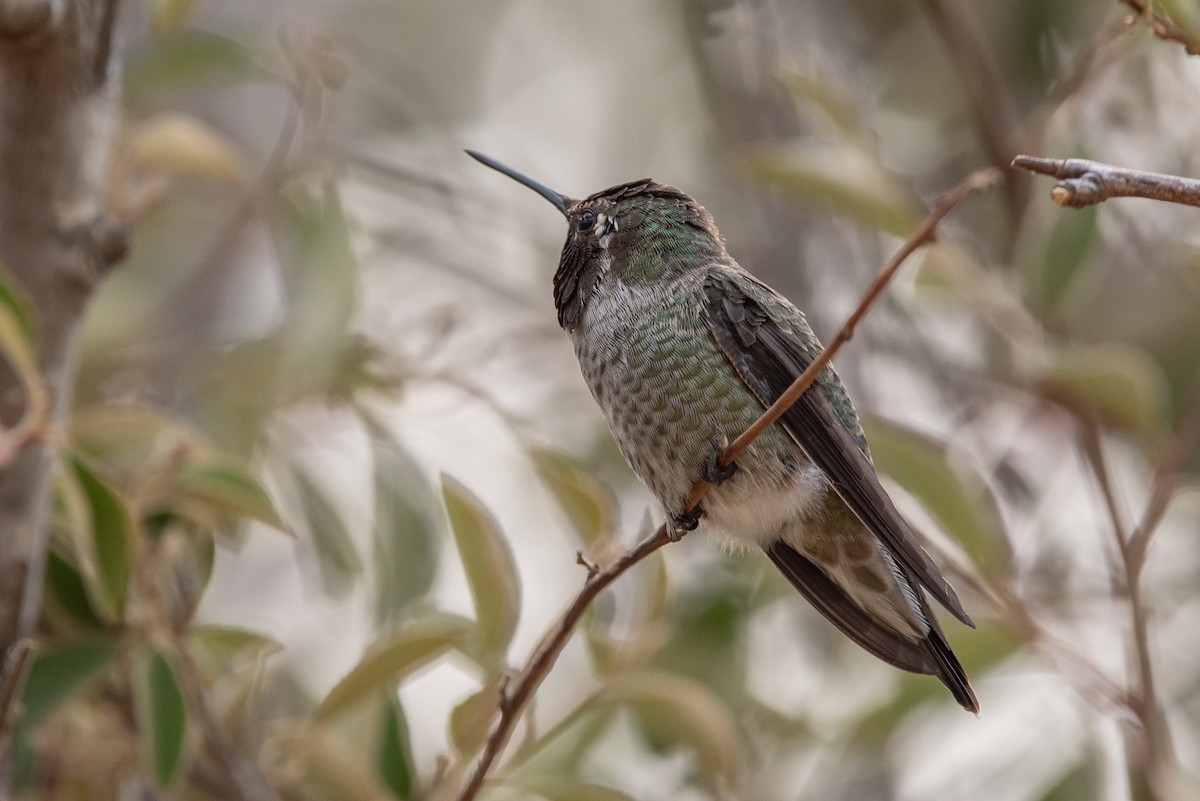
[546,653]
[1156,750]
[1162,27]
[1181,447]
[1083,182]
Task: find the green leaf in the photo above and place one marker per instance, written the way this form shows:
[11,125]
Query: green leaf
[102,535]
[124,437]
[315,237]
[841,180]
[18,344]
[472,717]
[563,788]
[488,562]
[1120,384]
[393,658]
[678,710]
[587,502]
[57,672]
[406,529]
[162,715]
[227,489]
[66,600]
[337,555]
[184,62]
[394,759]
[223,646]
[953,494]
[1068,244]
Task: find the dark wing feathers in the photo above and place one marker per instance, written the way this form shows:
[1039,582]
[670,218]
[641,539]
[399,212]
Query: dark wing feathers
[856,624]
[768,358]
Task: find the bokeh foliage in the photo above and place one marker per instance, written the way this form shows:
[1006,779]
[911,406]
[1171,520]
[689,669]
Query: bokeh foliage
[331,355]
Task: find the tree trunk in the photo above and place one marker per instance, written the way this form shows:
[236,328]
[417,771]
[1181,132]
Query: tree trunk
[57,116]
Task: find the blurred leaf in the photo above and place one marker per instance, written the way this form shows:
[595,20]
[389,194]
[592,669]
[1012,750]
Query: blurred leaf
[1068,244]
[406,529]
[314,235]
[15,306]
[169,15]
[1117,382]
[18,344]
[224,645]
[58,671]
[488,562]
[162,715]
[587,502]
[178,145]
[336,769]
[392,659]
[563,788]
[472,717]
[337,555]
[127,436]
[952,494]
[66,601]
[679,710]
[814,93]
[394,759]
[841,180]
[228,489]
[102,536]
[186,61]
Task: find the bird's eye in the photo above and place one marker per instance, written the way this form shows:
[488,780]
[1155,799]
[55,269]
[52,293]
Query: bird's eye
[587,219]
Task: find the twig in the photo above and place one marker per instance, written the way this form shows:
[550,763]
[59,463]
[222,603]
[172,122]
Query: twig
[1180,448]
[552,643]
[1158,752]
[1163,28]
[1083,182]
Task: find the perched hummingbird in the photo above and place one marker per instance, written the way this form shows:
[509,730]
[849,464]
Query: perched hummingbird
[681,348]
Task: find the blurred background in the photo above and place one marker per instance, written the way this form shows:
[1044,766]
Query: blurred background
[331,458]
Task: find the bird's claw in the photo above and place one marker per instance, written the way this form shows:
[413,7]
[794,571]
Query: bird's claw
[712,470]
[683,522]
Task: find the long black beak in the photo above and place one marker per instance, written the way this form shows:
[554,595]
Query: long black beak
[559,200]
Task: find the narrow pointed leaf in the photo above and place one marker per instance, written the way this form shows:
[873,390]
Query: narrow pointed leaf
[391,660]
[472,717]
[587,502]
[103,536]
[406,529]
[956,498]
[338,557]
[394,759]
[842,180]
[18,343]
[57,672]
[1117,382]
[162,716]
[682,711]
[489,566]
[228,489]
[224,646]
[66,602]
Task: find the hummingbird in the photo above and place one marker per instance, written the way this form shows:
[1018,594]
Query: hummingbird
[683,348]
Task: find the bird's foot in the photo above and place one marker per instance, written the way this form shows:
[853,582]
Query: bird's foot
[712,470]
[683,522]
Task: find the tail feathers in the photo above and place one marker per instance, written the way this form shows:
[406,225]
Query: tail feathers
[950,671]
[931,656]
